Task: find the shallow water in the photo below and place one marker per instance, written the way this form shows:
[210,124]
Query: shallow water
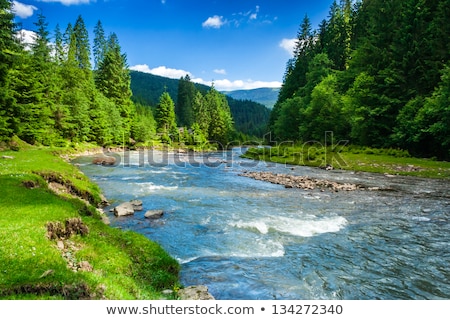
[248,239]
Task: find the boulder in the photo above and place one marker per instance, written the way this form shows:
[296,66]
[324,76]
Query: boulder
[104,160]
[154,214]
[137,205]
[124,209]
[195,293]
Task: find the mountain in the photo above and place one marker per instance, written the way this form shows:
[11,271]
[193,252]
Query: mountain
[147,88]
[249,117]
[265,96]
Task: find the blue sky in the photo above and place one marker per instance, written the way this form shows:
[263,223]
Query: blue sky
[241,44]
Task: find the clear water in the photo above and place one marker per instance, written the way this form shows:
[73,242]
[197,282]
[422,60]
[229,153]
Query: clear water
[248,239]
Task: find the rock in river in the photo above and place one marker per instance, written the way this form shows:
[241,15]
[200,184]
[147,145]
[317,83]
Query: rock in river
[124,209]
[154,214]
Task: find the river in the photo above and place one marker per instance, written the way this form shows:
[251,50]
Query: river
[253,240]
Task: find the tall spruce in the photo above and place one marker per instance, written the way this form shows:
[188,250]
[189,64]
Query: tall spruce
[8,49]
[185,98]
[100,44]
[113,80]
[165,118]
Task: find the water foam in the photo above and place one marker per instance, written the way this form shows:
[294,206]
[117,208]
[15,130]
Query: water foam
[297,227]
[150,186]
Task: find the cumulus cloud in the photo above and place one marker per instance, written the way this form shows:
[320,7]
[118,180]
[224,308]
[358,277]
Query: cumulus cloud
[220,71]
[69,2]
[214,22]
[27,38]
[161,71]
[221,85]
[228,85]
[23,10]
[254,15]
[288,45]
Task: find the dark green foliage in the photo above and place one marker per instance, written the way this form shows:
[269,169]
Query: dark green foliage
[381,86]
[50,97]
[113,80]
[183,109]
[8,49]
[249,117]
[165,116]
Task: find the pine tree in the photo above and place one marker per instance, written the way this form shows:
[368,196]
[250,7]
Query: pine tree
[221,121]
[113,80]
[183,108]
[100,44]
[82,47]
[60,53]
[165,116]
[8,49]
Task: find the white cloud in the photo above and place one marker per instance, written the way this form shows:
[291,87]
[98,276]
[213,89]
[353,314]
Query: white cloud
[161,71]
[288,45]
[23,10]
[69,2]
[214,22]
[254,15]
[27,38]
[228,85]
[220,71]
[221,85]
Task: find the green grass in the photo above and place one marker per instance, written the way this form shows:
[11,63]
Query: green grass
[384,161]
[126,265]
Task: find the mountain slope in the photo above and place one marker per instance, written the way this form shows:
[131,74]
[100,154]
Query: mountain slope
[265,96]
[249,117]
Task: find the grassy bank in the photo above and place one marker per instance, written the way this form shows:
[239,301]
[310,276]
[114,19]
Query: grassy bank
[384,161]
[54,244]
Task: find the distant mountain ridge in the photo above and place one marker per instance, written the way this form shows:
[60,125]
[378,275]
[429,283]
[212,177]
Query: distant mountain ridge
[250,117]
[265,96]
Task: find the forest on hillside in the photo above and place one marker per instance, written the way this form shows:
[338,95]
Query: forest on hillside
[60,90]
[250,118]
[52,95]
[375,73]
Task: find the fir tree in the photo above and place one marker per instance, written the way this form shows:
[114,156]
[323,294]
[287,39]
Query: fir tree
[165,117]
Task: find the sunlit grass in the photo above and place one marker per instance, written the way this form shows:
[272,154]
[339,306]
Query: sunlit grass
[125,265]
[384,161]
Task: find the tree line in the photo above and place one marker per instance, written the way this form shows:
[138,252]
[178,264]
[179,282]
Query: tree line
[376,73]
[50,92]
[59,90]
[249,117]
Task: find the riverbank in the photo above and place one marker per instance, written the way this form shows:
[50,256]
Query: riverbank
[55,243]
[383,161]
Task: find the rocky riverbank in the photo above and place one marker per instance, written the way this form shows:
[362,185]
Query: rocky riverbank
[305,183]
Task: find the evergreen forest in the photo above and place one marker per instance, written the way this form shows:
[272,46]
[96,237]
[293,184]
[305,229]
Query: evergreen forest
[60,90]
[375,73]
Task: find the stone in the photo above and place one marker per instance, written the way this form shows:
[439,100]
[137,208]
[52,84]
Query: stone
[124,209]
[60,245]
[104,160]
[85,266]
[154,214]
[195,293]
[137,205]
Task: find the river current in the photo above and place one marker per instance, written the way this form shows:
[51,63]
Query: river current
[252,240]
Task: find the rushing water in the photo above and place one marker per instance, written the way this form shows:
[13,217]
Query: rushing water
[248,239]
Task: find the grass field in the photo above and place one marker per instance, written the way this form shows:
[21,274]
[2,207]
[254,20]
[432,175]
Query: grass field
[384,161]
[99,263]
